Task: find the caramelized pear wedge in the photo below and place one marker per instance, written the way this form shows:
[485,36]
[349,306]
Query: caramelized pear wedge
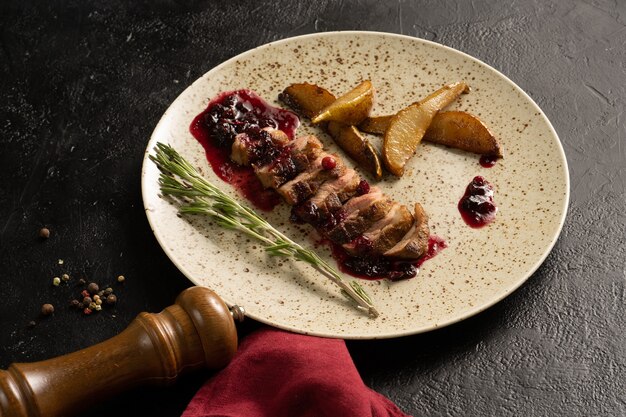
[464,131]
[456,129]
[357,147]
[376,125]
[351,108]
[408,126]
[308,99]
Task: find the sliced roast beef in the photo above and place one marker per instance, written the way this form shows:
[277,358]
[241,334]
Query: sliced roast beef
[383,234]
[415,243]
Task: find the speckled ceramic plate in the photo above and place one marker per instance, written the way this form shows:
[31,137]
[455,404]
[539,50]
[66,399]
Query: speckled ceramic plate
[480,266]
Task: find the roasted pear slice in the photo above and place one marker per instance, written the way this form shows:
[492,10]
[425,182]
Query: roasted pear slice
[306,99]
[456,129]
[462,130]
[408,126]
[357,147]
[351,108]
[309,99]
[376,125]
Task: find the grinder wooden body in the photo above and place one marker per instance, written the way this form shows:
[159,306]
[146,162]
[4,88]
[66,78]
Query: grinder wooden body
[198,331]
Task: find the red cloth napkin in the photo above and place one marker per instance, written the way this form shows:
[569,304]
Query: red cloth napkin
[276,373]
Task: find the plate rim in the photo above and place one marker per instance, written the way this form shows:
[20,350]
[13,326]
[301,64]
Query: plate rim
[455,319]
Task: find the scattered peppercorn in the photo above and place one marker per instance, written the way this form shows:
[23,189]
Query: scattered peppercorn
[111,299]
[82,281]
[98,307]
[85,293]
[108,291]
[47,309]
[121,278]
[92,305]
[32,323]
[92,288]
[56,281]
[87,311]
[87,300]
[44,233]
[60,261]
[74,303]
[65,277]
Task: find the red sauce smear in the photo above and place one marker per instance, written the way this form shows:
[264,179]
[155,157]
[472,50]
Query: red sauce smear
[487,161]
[379,267]
[477,206]
[435,245]
[228,114]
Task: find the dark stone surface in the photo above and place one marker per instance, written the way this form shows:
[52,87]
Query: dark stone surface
[84,82]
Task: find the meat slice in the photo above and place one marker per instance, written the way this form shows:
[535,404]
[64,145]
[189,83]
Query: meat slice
[329,198]
[360,213]
[384,234]
[357,203]
[296,157]
[278,172]
[264,145]
[241,150]
[307,183]
[305,150]
[415,243]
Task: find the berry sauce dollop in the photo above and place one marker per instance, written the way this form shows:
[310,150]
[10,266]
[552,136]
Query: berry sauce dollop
[477,206]
[227,115]
[487,161]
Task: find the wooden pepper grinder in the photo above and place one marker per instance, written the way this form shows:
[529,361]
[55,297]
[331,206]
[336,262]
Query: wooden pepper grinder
[198,331]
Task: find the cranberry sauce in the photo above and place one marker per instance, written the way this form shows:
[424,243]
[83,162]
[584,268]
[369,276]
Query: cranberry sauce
[373,267]
[229,114]
[379,267]
[435,245]
[477,206]
[487,161]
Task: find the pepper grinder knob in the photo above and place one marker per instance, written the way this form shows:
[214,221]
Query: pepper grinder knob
[197,332]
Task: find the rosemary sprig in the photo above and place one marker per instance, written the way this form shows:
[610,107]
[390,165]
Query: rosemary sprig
[181,180]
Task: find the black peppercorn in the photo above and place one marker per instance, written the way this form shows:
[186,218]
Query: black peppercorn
[111,299]
[47,309]
[93,288]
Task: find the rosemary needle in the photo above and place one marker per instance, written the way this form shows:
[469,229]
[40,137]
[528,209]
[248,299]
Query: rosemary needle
[180,179]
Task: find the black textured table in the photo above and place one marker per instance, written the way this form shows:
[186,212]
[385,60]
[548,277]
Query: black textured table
[83,83]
